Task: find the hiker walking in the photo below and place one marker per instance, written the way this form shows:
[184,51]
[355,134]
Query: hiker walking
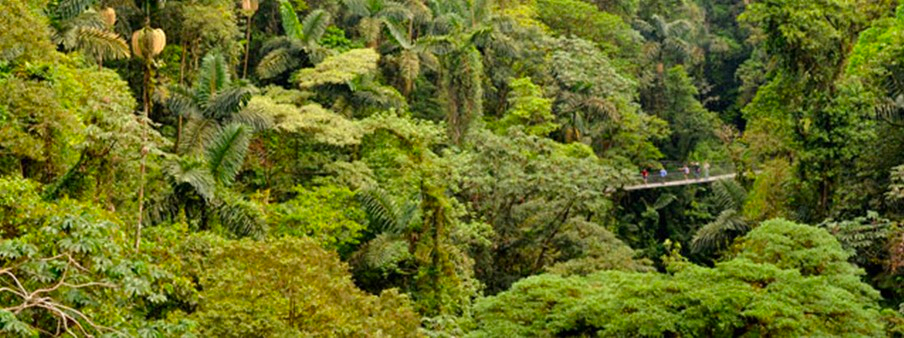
[645,173]
[686,171]
[706,169]
[662,173]
[696,170]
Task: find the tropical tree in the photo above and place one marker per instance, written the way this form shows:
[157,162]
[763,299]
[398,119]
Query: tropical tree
[787,278]
[220,130]
[300,46]
[466,28]
[92,34]
[214,101]
[372,15]
[729,224]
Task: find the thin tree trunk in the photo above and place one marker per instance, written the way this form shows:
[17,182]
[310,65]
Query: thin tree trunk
[144,155]
[247,45]
[182,64]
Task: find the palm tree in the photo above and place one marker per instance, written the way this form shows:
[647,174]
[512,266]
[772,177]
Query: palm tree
[373,14]
[667,41]
[299,46]
[92,34]
[462,30]
[414,53]
[199,186]
[219,131]
[213,102]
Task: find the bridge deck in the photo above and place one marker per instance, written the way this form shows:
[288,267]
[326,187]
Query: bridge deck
[681,182]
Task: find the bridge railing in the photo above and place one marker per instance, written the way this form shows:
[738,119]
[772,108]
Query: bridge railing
[675,173]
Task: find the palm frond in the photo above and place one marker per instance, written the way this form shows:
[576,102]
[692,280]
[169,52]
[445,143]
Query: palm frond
[255,118]
[198,132]
[70,8]
[290,23]
[395,11]
[314,25]
[212,77]
[225,153]
[357,7]
[181,102]
[241,217]
[398,34]
[229,101]
[97,43]
[717,234]
[663,201]
[276,62]
[194,174]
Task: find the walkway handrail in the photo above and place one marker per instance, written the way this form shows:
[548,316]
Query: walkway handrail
[675,176]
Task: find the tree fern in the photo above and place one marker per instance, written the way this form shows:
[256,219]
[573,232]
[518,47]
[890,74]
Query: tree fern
[719,233]
[225,153]
[382,212]
[383,253]
[728,194]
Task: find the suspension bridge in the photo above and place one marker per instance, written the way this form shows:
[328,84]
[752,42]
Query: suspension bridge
[675,176]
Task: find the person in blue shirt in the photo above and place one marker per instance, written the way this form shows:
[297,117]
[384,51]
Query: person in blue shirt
[662,173]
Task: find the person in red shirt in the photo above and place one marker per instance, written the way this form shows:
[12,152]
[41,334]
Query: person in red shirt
[645,174]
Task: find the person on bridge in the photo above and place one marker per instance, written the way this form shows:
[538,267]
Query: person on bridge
[696,170]
[686,171]
[662,173]
[706,169]
[645,174]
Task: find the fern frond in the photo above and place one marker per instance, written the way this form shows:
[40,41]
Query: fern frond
[717,234]
[664,200]
[728,194]
[225,153]
[383,253]
[382,212]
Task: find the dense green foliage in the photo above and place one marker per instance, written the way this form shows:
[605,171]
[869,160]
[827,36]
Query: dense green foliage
[282,168]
